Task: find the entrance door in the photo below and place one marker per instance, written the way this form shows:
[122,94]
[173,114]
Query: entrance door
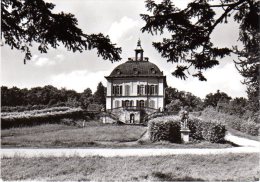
[132,118]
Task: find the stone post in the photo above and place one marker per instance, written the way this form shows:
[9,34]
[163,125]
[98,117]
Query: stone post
[185,133]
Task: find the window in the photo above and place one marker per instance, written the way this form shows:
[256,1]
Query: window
[153,89]
[117,103]
[127,90]
[152,104]
[127,103]
[141,90]
[142,103]
[118,72]
[117,90]
[153,70]
[131,103]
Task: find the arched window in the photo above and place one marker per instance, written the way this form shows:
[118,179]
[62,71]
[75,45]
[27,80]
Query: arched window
[127,103]
[142,103]
[131,103]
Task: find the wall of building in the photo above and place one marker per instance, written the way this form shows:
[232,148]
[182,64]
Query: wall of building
[133,83]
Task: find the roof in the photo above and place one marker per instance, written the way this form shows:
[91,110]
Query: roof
[136,69]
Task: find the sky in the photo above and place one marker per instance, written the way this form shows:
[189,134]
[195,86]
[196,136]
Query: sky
[122,22]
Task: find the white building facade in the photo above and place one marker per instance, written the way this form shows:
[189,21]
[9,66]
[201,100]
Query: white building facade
[135,89]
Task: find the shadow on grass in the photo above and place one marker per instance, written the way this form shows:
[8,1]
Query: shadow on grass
[168,177]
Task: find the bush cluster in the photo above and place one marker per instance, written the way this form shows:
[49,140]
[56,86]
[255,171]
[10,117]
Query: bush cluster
[28,118]
[168,128]
[247,125]
[250,128]
[210,130]
[164,128]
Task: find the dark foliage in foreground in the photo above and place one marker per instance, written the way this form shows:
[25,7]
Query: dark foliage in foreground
[33,21]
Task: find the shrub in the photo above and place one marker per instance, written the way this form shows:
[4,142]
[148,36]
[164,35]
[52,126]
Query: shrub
[164,128]
[168,128]
[250,128]
[195,126]
[210,130]
[213,131]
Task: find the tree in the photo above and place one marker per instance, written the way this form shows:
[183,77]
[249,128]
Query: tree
[86,98]
[170,94]
[100,94]
[25,22]
[190,43]
[248,67]
[238,106]
[175,99]
[213,99]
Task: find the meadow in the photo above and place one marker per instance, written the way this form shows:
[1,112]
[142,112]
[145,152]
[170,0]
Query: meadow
[220,167]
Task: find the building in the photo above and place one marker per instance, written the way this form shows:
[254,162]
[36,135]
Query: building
[135,89]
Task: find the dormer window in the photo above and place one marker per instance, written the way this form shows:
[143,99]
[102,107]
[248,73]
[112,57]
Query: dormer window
[135,71]
[118,72]
[153,71]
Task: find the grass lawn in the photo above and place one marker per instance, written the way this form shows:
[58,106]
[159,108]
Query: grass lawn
[58,135]
[93,135]
[221,167]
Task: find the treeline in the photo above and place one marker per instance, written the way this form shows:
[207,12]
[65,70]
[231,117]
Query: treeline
[221,101]
[50,96]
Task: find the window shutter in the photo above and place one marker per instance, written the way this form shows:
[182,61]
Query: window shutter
[120,92]
[156,89]
[113,90]
[138,89]
[137,103]
[145,89]
[123,103]
[146,103]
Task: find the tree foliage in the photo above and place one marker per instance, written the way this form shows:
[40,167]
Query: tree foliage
[25,22]
[86,98]
[47,95]
[100,94]
[175,100]
[213,99]
[248,66]
[190,44]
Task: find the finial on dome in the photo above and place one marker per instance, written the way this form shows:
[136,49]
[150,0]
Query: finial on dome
[139,47]
[139,50]
[139,42]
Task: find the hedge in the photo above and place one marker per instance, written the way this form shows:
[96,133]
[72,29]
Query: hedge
[210,130]
[164,128]
[168,128]
[247,124]
[38,117]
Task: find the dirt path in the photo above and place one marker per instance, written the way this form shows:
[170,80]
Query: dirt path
[244,142]
[119,152]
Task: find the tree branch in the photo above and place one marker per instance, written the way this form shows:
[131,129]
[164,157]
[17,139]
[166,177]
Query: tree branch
[230,8]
